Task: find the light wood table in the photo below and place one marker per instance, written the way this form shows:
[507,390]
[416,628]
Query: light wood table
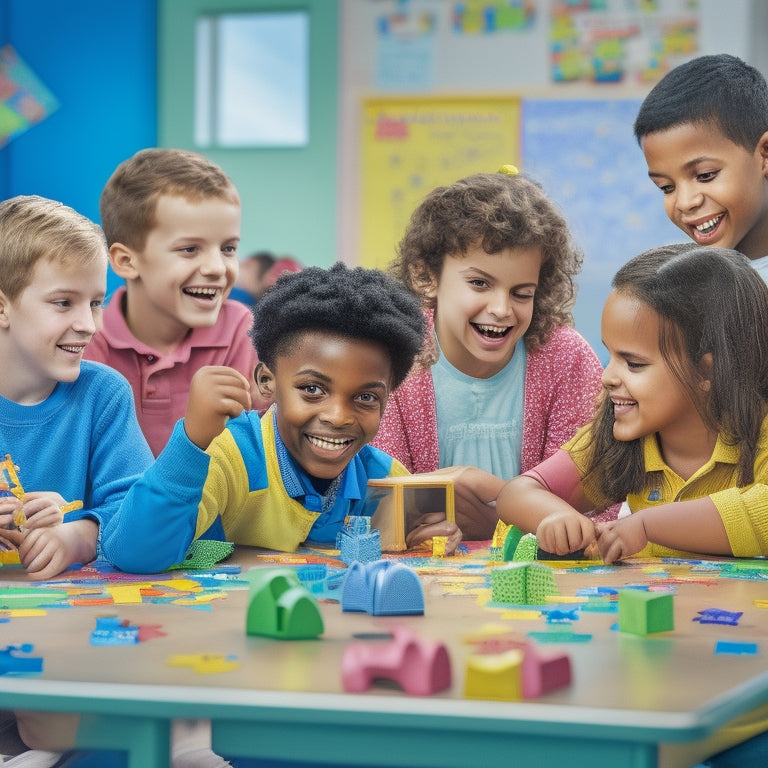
[285,701]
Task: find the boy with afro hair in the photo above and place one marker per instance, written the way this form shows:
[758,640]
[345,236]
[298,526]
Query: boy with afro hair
[332,344]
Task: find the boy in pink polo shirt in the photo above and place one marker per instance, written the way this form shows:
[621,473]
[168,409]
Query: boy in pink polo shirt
[172,222]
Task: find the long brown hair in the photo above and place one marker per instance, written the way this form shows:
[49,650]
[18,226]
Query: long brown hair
[709,301]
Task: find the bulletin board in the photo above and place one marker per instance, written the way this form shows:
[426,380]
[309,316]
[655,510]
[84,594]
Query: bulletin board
[409,146]
[584,153]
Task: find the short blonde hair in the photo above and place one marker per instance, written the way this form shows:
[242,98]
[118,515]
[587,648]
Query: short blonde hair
[33,228]
[128,203]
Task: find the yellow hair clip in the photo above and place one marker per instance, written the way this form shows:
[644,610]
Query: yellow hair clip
[509,170]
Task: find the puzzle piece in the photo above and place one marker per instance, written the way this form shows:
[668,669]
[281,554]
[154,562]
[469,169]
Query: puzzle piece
[110,630]
[11,663]
[718,616]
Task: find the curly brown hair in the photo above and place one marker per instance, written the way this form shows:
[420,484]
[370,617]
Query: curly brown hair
[498,211]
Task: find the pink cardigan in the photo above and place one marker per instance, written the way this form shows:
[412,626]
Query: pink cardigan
[562,381]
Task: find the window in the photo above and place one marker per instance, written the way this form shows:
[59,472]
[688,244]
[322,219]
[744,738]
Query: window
[252,80]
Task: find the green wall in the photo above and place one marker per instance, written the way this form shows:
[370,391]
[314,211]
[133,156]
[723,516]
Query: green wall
[289,195]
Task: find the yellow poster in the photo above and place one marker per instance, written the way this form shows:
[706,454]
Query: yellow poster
[411,145]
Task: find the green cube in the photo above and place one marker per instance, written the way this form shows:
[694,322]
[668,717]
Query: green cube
[644,613]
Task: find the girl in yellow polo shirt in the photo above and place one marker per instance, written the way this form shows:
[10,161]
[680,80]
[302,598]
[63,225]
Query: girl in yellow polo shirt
[681,432]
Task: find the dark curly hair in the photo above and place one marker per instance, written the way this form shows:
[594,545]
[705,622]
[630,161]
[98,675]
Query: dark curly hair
[498,211]
[353,302]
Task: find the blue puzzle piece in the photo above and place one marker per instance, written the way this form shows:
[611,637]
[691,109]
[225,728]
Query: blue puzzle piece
[718,616]
[111,631]
[12,664]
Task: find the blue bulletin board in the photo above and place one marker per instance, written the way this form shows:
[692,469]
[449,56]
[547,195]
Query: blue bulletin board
[584,154]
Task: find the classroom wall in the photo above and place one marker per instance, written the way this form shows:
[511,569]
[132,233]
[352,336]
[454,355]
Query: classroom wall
[289,194]
[123,72]
[99,60]
[575,139]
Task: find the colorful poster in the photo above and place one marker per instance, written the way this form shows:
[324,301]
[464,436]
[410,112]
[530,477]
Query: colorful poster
[24,100]
[487,16]
[632,41]
[405,47]
[410,146]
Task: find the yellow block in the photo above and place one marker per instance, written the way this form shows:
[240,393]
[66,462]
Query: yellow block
[494,676]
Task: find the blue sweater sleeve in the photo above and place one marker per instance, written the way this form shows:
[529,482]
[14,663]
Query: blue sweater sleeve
[83,442]
[118,451]
[155,525]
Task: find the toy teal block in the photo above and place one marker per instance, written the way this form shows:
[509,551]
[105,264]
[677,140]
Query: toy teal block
[522,583]
[496,676]
[644,613]
[279,606]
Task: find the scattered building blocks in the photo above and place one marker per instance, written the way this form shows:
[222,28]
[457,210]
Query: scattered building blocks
[420,667]
[395,504]
[279,606]
[644,613]
[497,676]
[383,588]
[522,583]
[11,663]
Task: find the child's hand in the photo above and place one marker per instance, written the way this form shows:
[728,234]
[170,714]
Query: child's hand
[475,492]
[43,509]
[434,524]
[564,532]
[216,393]
[46,552]
[9,506]
[621,538]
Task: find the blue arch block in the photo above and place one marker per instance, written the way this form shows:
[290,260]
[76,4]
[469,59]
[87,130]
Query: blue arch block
[382,588]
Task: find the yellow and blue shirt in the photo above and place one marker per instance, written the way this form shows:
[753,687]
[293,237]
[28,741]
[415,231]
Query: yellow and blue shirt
[246,488]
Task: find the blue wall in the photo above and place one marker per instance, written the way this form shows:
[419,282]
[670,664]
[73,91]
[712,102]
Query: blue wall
[99,59]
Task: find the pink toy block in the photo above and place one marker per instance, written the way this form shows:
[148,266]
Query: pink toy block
[420,667]
[544,672]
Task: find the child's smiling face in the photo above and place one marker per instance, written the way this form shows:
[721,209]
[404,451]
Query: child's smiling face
[330,393]
[484,305]
[647,397]
[185,271]
[714,190]
[49,325]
